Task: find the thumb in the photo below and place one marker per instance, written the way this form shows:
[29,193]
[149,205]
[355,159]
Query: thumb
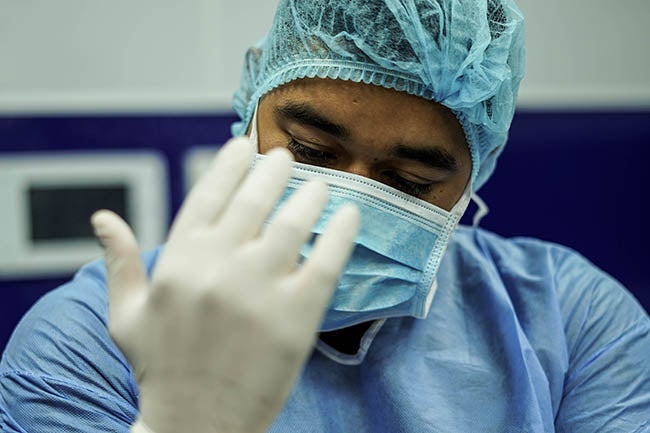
[125,273]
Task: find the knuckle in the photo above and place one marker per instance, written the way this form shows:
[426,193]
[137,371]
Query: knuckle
[289,338]
[164,281]
[326,274]
[204,196]
[164,285]
[216,291]
[251,204]
[210,299]
[289,224]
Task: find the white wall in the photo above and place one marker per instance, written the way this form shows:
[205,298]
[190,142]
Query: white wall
[157,55]
[125,54]
[587,53]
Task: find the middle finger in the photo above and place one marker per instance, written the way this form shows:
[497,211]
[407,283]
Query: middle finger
[256,197]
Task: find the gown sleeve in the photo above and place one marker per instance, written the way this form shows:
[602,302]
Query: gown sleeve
[61,372]
[607,385]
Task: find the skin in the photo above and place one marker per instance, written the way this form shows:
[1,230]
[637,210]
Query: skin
[401,140]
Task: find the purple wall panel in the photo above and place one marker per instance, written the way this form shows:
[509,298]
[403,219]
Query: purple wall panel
[577,178]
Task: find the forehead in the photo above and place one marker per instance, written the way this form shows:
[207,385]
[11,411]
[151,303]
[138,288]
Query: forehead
[343,93]
[371,112]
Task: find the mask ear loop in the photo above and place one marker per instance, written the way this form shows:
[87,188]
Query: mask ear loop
[481,212]
[253,137]
[461,205]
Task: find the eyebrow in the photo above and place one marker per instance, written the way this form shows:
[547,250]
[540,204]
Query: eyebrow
[435,157]
[307,115]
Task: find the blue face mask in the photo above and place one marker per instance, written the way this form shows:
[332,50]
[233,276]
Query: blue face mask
[397,252]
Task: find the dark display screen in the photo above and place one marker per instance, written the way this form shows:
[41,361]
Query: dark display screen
[63,212]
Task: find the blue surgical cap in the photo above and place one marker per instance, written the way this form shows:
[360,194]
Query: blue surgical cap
[467,55]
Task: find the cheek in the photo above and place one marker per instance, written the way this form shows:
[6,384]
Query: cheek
[269,135]
[271,141]
[441,197]
[448,194]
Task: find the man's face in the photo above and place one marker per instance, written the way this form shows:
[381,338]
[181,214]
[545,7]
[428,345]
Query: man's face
[407,142]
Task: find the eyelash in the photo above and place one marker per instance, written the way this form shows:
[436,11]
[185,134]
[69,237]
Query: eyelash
[312,156]
[411,188]
[309,154]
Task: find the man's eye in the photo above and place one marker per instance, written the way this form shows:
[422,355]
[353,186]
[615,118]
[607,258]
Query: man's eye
[411,188]
[308,154]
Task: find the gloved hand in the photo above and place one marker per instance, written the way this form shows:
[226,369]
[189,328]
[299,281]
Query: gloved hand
[218,336]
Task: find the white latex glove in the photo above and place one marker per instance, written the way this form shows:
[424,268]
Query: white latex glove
[218,336]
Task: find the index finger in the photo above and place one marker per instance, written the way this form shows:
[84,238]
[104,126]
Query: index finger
[214,190]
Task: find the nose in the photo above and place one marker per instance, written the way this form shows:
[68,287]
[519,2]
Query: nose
[358,167]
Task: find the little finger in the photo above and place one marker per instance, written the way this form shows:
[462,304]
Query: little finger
[320,272]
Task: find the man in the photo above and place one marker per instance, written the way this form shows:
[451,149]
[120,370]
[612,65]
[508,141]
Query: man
[401,108]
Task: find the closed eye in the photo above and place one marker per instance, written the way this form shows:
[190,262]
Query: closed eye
[309,155]
[409,187]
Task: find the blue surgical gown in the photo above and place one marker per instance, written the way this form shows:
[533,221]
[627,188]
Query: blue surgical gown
[522,336]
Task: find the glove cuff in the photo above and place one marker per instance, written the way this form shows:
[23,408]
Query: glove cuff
[140,427]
